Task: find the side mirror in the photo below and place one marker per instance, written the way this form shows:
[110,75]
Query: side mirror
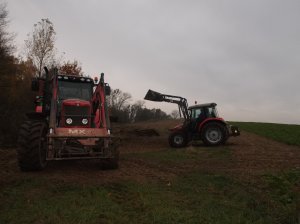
[35,85]
[107,89]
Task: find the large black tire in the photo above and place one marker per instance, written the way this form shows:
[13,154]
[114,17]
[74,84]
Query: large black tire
[32,147]
[178,140]
[214,133]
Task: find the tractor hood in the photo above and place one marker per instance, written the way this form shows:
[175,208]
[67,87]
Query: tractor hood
[75,113]
[76,102]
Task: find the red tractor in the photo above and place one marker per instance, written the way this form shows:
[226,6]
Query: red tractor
[70,122]
[201,122]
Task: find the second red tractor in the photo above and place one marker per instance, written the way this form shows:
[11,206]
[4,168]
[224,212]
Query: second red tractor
[201,122]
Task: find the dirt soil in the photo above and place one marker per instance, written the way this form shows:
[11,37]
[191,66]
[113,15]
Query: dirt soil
[251,155]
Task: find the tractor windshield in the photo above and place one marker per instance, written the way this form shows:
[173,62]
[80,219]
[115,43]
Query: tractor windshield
[196,112]
[74,90]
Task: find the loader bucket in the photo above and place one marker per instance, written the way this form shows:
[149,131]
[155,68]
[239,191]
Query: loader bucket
[154,96]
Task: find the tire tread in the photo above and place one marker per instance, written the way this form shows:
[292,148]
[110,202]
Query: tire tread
[29,142]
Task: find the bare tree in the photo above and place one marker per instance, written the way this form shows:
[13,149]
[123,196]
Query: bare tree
[5,37]
[7,61]
[40,44]
[137,106]
[15,80]
[119,100]
[175,114]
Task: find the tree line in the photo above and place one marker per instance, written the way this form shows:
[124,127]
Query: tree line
[16,74]
[126,112]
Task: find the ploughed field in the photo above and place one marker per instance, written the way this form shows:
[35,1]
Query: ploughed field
[253,178]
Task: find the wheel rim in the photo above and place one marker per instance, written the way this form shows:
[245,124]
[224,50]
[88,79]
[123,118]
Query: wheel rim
[178,139]
[213,135]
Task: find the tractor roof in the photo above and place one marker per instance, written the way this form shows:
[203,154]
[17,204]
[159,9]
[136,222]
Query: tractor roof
[203,105]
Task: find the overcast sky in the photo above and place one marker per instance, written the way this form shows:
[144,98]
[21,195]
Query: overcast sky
[243,55]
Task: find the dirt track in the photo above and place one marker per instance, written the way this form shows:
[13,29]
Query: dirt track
[251,155]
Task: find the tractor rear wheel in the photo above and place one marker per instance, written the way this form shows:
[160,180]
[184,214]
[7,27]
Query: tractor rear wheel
[32,147]
[178,140]
[213,133]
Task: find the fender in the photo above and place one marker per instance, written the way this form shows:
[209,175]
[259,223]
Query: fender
[220,120]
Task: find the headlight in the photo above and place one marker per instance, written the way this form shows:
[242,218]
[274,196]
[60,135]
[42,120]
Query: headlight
[69,121]
[84,121]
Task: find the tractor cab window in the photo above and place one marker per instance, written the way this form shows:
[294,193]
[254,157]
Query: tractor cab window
[74,90]
[196,113]
[212,112]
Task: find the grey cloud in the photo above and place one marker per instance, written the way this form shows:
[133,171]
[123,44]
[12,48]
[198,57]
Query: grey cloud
[242,54]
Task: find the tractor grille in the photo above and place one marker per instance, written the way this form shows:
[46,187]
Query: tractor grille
[76,110]
[76,113]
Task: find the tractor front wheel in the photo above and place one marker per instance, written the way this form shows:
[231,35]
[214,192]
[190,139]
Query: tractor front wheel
[213,133]
[178,140]
[32,149]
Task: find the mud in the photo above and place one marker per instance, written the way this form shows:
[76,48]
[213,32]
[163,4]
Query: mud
[250,156]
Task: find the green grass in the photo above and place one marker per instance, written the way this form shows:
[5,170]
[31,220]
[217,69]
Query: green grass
[192,198]
[32,201]
[283,189]
[289,134]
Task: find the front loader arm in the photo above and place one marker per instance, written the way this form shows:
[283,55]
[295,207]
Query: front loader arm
[182,102]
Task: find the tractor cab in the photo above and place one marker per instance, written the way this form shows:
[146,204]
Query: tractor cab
[202,111]
[73,101]
[72,87]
